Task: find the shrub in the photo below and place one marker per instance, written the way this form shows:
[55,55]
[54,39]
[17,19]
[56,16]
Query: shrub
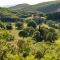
[23,33]
[32,24]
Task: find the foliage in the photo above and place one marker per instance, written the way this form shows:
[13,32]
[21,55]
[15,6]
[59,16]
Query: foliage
[19,25]
[30,30]
[32,24]
[13,57]
[36,36]
[2,25]
[10,38]
[44,34]
[30,57]
[23,33]
[28,20]
[3,34]
[53,16]
[9,27]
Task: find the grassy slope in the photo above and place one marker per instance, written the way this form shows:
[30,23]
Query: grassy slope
[8,13]
[20,6]
[45,7]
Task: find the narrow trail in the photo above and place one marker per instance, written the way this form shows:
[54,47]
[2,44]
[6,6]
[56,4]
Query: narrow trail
[14,32]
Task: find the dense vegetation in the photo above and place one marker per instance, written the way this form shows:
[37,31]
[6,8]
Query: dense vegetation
[29,35]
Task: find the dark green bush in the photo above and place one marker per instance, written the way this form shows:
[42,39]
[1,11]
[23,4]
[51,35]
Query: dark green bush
[23,33]
[32,24]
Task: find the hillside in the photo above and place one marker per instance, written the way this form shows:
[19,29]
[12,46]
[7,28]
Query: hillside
[45,7]
[5,12]
[20,6]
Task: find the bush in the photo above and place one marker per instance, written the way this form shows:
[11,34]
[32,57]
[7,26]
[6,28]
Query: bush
[32,24]
[23,33]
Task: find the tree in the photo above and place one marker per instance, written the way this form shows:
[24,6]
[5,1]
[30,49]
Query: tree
[37,36]
[43,32]
[32,24]
[23,33]
[19,25]
[48,35]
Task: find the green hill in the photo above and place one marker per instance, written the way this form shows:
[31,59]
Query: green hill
[5,12]
[20,6]
[45,7]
